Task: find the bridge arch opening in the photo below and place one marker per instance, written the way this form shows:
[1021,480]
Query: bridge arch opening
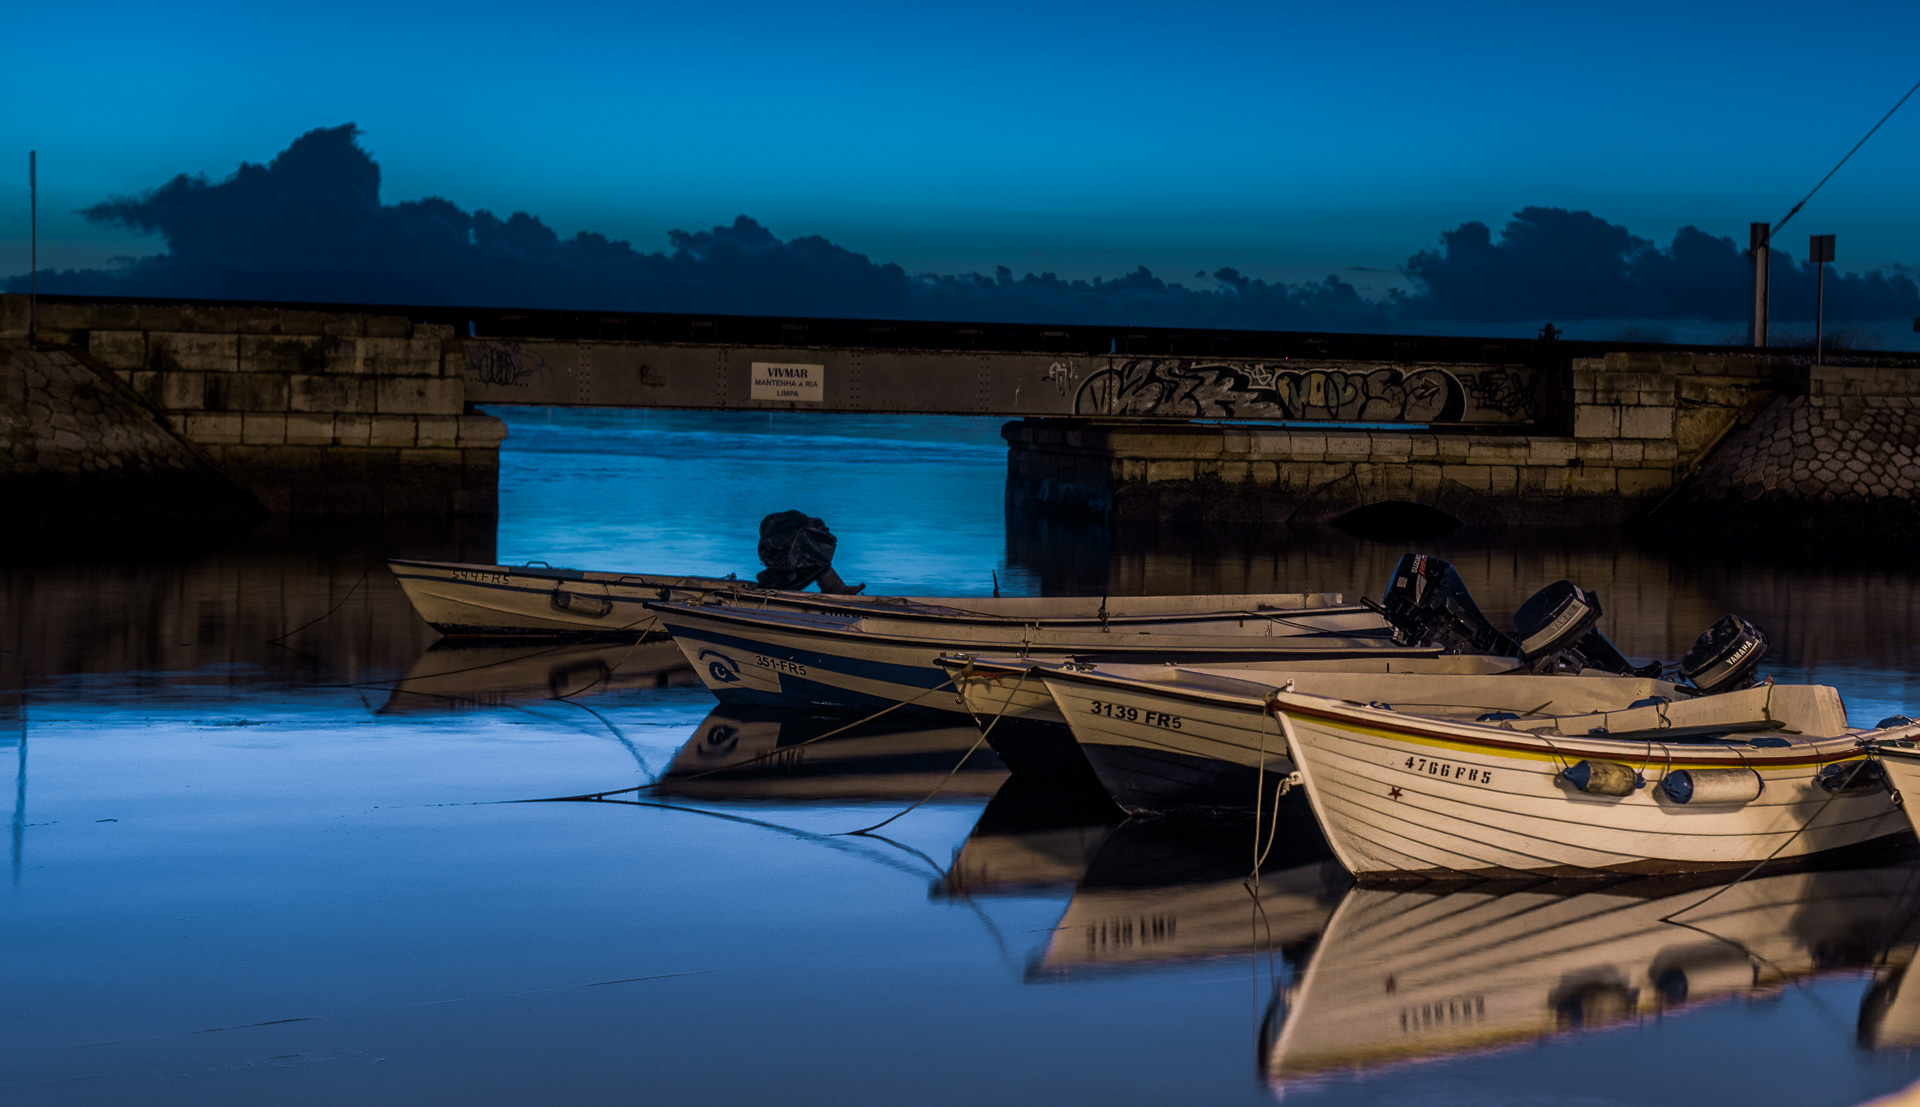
[1397,520]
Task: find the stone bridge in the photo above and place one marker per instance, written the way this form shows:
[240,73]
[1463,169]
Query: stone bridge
[313,409]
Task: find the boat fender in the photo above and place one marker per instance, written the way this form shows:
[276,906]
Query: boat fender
[1604,778]
[1652,701]
[1690,786]
[1892,721]
[579,603]
[1851,776]
[1497,717]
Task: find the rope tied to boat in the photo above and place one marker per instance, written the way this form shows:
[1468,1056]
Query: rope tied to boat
[1286,785]
[780,752]
[977,742]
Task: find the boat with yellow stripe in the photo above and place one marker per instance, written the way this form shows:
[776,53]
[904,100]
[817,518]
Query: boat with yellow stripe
[1658,786]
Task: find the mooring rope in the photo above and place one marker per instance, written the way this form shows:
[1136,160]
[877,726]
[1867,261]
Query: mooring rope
[781,752]
[984,731]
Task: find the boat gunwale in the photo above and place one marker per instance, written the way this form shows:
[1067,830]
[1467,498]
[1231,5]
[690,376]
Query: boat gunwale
[1428,730]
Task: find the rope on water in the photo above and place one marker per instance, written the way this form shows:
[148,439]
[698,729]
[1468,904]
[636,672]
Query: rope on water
[343,602]
[986,730]
[781,752]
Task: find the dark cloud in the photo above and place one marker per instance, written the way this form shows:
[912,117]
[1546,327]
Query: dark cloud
[310,225]
[1550,263]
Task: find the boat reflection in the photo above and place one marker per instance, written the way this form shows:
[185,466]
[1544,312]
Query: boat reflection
[1033,837]
[738,753]
[1162,891]
[462,675]
[1404,976]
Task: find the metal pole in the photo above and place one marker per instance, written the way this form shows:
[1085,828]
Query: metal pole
[1761,238]
[33,242]
[1819,310]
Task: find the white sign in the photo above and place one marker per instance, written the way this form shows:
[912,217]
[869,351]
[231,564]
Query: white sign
[775,380]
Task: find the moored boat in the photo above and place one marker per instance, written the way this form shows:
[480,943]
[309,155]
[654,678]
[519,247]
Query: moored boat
[539,600]
[1690,784]
[1160,737]
[869,662]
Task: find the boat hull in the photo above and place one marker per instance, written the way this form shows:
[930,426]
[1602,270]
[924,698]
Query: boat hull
[829,662]
[1404,796]
[523,600]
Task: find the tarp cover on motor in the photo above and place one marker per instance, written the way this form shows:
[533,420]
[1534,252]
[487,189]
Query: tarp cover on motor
[796,549]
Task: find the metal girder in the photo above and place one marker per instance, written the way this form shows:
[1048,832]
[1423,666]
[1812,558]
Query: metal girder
[725,377]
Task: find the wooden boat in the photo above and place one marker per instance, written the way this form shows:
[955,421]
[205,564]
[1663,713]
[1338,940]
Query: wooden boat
[1401,977]
[1142,763]
[471,674]
[1769,772]
[541,600]
[749,755]
[866,662]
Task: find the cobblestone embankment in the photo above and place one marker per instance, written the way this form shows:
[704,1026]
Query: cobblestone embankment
[1842,460]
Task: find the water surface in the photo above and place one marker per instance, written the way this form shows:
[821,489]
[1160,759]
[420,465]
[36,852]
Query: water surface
[244,870]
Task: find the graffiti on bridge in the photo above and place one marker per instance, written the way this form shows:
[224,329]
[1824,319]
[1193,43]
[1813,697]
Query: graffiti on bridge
[1191,388]
[503,361]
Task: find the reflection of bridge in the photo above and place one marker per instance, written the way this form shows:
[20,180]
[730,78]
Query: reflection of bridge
[346,409]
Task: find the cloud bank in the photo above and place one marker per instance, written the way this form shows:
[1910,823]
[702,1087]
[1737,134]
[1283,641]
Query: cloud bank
[310,225]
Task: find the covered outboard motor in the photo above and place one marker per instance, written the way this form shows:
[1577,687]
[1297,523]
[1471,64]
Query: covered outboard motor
[1725,657]
[1555,618]
[797,550]
[1429,605]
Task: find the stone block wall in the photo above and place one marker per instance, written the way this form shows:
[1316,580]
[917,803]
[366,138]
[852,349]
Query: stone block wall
[82,452]
[1634,425]
[312,412]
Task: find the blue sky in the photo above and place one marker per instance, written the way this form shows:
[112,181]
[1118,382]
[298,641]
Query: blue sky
[1289,142]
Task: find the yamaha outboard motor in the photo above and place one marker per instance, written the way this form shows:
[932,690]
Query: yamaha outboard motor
[797,550]
[1428,605]
[1725,657]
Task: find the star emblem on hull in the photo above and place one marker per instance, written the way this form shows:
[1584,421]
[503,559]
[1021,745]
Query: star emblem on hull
[1393,793]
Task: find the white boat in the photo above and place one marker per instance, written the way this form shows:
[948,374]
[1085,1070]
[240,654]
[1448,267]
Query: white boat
[805,660]
[1159,738]
[1768,772]
[1401,977]
[541,600]
[1123,734]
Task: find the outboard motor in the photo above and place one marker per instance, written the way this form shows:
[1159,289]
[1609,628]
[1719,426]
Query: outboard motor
[1558,632]
[1429,605]
[1725,657]
[1554,618]
[797,550]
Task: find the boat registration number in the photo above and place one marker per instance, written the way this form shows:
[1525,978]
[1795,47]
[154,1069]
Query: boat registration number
[1133,714]
[1448,771]
[479,577]
[793,668]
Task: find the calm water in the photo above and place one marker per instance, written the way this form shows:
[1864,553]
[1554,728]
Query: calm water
[255,871]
